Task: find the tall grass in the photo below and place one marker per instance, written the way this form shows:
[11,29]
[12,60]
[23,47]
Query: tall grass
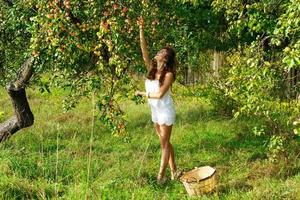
[91,143]
[72,156]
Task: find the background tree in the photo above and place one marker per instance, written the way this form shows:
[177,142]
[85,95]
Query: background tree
[257,74]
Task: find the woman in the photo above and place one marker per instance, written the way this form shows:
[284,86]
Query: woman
[161,75]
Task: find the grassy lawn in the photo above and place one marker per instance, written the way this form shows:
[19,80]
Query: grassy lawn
[63,156]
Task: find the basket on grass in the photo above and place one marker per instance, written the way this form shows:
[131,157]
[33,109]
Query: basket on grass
[199,180]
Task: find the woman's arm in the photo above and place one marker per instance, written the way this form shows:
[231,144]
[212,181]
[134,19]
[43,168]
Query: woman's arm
[169,78]
[143,43]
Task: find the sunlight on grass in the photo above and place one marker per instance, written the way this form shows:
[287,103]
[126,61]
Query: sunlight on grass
[50,159]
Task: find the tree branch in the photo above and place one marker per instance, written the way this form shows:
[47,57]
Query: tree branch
[23,116]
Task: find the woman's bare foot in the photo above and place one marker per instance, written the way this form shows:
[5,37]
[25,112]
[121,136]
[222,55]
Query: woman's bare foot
[161,178]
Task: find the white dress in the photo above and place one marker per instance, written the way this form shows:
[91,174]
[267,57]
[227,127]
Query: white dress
[162,110]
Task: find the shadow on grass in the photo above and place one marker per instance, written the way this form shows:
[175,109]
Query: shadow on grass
[239,184]
[150,179]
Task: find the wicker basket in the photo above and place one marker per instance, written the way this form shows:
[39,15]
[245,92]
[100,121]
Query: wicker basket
[199,180]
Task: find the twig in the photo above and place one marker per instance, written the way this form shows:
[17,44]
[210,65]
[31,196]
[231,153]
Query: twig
[56,163]
[91,149]
[139,172]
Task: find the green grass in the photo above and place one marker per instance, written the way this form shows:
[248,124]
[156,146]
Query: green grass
[51,159]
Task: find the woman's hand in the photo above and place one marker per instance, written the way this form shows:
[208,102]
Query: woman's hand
[140,22]
[138,93]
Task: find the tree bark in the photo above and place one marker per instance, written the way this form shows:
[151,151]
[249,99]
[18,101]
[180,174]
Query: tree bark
[23,116]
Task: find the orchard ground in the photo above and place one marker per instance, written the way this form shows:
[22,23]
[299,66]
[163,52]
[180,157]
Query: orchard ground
[64,156]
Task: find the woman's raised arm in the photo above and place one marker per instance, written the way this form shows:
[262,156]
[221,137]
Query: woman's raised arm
[144,48]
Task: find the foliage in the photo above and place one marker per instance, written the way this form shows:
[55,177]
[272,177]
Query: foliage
[1,115]
[14,38]
[89,47]
[287,31]
[296,124]
[256,71]
[216,95]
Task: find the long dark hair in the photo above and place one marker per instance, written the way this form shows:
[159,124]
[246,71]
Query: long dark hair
[169,66]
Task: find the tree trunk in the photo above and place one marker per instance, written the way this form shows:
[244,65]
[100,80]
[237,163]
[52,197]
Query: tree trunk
[23,116]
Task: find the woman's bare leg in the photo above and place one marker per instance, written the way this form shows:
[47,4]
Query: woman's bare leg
[172,156]
[172,159]
[157,129]
[165,133]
